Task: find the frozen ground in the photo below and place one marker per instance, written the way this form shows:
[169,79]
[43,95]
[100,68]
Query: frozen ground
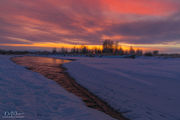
[144,88]
[38,98]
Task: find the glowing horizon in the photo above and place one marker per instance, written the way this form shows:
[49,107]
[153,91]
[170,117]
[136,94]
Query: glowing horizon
[124,46]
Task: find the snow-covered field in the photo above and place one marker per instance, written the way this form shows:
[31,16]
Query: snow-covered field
[27,94]
[144,88]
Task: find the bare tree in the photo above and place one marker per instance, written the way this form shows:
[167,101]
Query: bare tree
[139,52]
[121,51]
[54,51]
[116,48]
[108,46]
[84,50]
[131,51]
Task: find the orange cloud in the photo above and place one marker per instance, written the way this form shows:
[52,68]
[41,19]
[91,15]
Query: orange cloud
[118,37]
[19,39]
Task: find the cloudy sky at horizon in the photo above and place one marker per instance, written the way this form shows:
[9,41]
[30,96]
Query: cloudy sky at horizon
[41,23]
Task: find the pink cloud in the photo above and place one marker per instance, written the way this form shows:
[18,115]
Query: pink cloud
[89,20]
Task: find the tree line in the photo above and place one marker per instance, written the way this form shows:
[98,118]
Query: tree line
[109,47]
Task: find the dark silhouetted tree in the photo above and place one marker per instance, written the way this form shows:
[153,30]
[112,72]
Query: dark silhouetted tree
[156,52]
[63,51]
[131,51]
[108,46]
[148,54]
[54,51]
[121,51]
[139,52]
[84,50]
[116,48]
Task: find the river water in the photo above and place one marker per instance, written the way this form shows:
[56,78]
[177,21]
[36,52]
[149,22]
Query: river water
[52,69]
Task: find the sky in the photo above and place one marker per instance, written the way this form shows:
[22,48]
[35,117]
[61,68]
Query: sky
[42,24]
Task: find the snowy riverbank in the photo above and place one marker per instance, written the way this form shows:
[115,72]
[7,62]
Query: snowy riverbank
[144,88]
[34,97]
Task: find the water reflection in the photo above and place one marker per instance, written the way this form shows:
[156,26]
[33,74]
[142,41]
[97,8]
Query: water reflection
[41,60]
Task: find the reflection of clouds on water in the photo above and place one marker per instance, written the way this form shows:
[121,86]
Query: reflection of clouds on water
[50,61]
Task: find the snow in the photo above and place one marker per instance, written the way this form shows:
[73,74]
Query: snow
[142,88]
[38,98]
